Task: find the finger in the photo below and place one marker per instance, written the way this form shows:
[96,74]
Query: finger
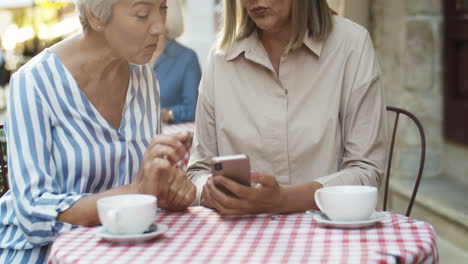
[181,136]
[145,182]
[191,195]
[166,139]
[188,194]
[207,198]
[186,138]
[170,141]
[187,141]
[162,169]
[179,199]
[176,186]
[216,195]
[264,179]
[164,151]
[241,191]
[226,201]
[212,203]
[171,186]
[153,173]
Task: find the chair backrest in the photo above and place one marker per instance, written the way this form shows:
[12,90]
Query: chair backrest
[412,117]
[3,171]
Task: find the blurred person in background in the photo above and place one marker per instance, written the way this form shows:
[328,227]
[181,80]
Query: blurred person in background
[4,74]
[83,123]
[2,57]
[177,70]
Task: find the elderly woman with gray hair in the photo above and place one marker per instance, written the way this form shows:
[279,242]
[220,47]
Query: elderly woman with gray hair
[84,123]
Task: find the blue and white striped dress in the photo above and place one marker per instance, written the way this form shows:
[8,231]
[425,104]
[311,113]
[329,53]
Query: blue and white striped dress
[60,149]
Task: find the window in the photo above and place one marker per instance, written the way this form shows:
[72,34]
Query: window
[461,5]
[455,65]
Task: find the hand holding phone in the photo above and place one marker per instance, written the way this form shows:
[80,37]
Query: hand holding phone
[234,167]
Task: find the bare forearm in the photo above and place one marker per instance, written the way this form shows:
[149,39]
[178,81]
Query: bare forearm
[84,211]
[300,197]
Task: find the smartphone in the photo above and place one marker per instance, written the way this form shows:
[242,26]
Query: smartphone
[235,167]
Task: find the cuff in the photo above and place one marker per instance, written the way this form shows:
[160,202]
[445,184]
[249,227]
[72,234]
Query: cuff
[337,178]
[199,184]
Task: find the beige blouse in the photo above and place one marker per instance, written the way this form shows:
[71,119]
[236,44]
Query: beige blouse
[322,118]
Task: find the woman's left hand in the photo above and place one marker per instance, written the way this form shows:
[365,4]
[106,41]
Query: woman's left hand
[266,197]
[180,193]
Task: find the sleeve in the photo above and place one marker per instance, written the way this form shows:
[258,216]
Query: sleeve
[204,145]
[185,112]
[37,196]
[363,122]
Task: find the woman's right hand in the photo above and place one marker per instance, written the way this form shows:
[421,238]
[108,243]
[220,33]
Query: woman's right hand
[158,175]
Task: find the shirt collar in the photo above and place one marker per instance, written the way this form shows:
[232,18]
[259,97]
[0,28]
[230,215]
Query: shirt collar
[313,45]
[247,44]
[251,42]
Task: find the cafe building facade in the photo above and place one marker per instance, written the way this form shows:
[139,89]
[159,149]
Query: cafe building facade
[422,46]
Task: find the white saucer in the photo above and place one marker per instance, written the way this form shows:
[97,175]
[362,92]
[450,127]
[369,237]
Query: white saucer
[322,219]
[153,231]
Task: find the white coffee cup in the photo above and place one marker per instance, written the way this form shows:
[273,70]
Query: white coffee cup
[127,214]
[347,202]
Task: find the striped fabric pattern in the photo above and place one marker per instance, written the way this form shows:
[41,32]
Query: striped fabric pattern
[60,149]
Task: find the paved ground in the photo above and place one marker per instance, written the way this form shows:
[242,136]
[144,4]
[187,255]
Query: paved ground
[449,254]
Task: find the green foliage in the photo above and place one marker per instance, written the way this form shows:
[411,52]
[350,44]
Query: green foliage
[19,16]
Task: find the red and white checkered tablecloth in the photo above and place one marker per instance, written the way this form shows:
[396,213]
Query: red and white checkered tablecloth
[174,128]
[201,235]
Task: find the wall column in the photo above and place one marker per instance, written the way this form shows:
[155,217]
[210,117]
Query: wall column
[407,37]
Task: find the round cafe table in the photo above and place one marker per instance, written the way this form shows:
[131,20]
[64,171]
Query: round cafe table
[200,235]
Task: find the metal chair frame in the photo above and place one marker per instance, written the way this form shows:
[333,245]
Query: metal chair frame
[399,111]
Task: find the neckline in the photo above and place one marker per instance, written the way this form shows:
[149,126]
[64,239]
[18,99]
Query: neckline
[80,92]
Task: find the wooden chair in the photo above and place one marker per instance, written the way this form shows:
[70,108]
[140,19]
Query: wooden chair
[397,112]
[3,171]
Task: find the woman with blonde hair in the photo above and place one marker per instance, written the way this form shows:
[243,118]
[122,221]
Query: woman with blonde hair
[298,90]
[84,123]
[178,71]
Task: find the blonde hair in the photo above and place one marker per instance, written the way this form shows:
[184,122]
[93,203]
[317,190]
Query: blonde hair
[174,20]
[314,16]
[101,9]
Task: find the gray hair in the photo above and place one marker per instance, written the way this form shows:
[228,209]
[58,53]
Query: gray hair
[174,20]
[101,9]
